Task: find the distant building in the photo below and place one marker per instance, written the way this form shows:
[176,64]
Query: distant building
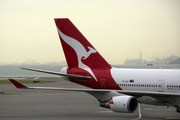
[157,60]
[177,61]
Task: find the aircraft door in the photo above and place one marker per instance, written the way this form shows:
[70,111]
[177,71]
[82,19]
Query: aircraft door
[161,86]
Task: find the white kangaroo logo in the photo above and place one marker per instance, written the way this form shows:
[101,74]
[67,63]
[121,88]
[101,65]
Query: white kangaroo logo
[80,51]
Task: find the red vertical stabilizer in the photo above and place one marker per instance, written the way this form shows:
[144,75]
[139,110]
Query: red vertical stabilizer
[78,51]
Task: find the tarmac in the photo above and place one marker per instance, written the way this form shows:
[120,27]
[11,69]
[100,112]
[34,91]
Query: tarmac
[20,104]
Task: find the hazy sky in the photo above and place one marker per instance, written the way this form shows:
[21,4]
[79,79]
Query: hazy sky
[118,29]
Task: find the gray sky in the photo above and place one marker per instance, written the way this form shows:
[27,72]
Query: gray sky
[118,29]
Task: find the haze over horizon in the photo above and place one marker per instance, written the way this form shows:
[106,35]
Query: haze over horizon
[118,29]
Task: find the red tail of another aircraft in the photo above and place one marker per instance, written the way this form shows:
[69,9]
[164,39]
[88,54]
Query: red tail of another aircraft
[78,51]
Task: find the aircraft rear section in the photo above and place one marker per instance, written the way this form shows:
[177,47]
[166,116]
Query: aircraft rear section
[122,104]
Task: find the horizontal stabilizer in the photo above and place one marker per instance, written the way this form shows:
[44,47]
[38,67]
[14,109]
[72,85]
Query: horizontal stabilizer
[21,86]
[58,73]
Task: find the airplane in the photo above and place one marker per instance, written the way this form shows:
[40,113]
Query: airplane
[118,89]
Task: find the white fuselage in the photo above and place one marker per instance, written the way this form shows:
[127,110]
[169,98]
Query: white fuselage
[156,80]
[153,80]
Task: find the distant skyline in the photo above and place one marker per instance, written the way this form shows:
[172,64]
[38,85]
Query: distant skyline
[33,62]
[118,29]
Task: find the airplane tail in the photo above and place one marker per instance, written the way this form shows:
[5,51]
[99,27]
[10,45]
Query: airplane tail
[78,51]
